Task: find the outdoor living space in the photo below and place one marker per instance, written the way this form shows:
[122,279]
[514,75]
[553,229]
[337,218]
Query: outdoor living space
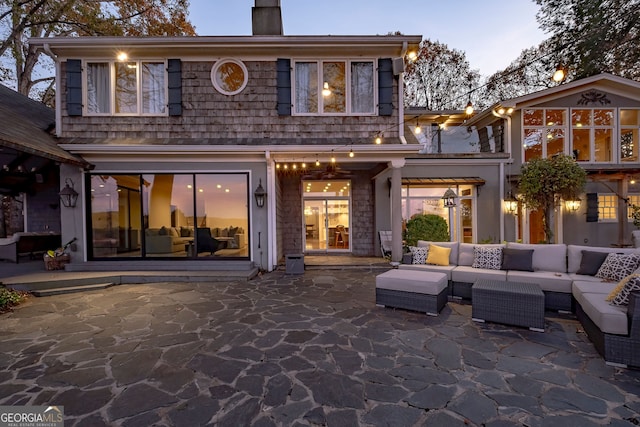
[310,348]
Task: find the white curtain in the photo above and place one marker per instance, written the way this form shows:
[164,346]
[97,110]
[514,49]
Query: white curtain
[98,88]
[362,87]
[306,97]
[153,84]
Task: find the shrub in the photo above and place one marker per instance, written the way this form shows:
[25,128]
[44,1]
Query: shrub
[10,298]
[426,227]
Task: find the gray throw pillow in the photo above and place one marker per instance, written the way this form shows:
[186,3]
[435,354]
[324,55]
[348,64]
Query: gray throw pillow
[591,262]
[517,259]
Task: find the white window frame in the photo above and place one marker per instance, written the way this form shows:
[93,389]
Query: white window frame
[112,88]
[634,199]
[621,128]
[613,207]
[320,84]
[615,135]
[545,129]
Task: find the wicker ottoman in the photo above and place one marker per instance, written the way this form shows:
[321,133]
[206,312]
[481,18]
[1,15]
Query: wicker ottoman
[423,291]
[512,303]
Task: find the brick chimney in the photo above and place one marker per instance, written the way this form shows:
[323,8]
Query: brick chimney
[266,18]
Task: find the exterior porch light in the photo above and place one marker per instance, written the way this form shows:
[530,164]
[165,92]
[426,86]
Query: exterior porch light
[260,195]
[560,74]
[449,198]
[469,108]
[68,195]
[510,204]
[572,205]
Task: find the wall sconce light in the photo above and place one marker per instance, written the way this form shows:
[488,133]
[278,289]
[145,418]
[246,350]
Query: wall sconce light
[510,204]
[68,195]
[260,195]
[572,205]
[449,198]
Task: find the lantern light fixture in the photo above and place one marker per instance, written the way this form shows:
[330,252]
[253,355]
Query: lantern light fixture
[260,195]
[68,195]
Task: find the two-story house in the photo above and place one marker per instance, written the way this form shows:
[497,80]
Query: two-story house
[228,150]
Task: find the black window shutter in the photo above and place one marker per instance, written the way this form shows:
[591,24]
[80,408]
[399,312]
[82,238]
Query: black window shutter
[385,87]
[174,76]
[283,82]
[592,207]
[74,87]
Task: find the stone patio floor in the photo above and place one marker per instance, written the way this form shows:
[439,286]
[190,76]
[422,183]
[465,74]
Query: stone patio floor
[299,350]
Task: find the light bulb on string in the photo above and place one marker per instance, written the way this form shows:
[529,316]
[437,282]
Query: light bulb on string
[351,153]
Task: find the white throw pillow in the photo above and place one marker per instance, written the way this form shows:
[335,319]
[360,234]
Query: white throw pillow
[487,257]
[419,254]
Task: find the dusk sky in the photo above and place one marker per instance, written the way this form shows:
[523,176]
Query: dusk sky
[491,33]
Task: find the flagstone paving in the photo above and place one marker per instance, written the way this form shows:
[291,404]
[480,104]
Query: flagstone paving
[299,350]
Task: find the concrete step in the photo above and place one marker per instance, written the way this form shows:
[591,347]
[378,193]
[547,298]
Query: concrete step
[49,281]
[71,289]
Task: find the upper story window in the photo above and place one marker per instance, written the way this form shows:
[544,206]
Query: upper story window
[126,88]
[592,134]
[334,87]
[543,132]
[629,126]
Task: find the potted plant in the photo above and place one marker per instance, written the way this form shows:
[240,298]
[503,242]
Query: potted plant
[56,259]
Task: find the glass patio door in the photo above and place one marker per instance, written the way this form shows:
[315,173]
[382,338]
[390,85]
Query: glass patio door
[326,219]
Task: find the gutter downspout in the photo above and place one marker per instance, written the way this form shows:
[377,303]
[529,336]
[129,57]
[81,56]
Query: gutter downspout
[272,256]
[49,52]
[507,131]
[405,46]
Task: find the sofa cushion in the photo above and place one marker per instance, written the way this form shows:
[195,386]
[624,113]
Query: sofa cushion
[517,259]
[618,266]
[453,256]
[610,319]
[620,294]
[591,262]
[591,287]
[438,255]
[418,255]
[446,269]
[468,274]
[574,254]
[465,253]
[549,281]
[546,257]
[487,257]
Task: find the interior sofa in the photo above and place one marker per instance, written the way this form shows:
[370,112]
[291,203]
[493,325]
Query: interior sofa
[568,275]
[167,239]
[28,243]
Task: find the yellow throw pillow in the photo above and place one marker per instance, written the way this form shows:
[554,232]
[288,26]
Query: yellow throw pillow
[438,255]
[620,286]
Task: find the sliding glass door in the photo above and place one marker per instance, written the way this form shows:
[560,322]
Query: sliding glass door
[326,216]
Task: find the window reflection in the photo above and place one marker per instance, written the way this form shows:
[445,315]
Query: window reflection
[170,215]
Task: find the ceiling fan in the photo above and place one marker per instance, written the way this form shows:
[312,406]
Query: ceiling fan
[331,171]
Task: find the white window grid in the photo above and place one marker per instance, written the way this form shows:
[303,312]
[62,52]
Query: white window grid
[615,143]
[607,207]
[546,130]
[112,87]
[320,86]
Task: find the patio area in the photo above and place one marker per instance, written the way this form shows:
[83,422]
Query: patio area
[311,349]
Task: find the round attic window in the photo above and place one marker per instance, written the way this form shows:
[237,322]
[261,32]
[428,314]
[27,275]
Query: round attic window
[229,76]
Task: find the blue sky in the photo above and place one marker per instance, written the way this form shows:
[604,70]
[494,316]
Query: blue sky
[491,33]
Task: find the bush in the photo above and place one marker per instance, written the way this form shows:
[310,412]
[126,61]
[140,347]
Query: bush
[426,227]
[10,298]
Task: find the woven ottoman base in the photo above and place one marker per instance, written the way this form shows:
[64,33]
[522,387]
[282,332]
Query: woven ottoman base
[423,291]
[511,303]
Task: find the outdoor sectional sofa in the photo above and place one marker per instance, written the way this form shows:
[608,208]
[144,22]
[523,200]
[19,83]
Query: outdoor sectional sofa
[614,329]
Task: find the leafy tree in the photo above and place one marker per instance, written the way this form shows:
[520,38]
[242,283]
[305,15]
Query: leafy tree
[594,36]
[544,182]
[22,19]
[530,72]
[429,227]
[440,78]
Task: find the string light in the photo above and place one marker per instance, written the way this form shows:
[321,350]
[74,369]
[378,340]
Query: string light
[418,129]
[379,139]
[351,153]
